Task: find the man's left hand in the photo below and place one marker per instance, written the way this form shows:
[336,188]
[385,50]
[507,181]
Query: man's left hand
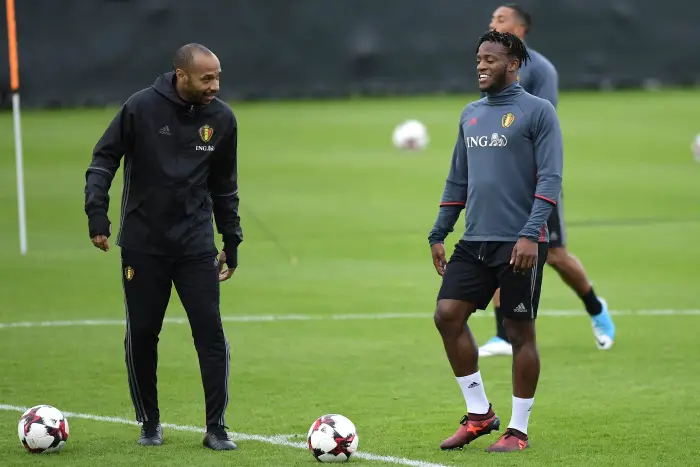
[225,272]
[524,255]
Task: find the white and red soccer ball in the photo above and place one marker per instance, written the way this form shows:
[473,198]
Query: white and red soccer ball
[411,135]
[332,438]
[43,429]
[695,147]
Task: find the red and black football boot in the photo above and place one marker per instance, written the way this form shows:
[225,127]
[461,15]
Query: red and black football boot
[512,440]
[471,427]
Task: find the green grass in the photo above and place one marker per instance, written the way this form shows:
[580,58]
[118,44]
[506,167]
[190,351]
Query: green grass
[356,214]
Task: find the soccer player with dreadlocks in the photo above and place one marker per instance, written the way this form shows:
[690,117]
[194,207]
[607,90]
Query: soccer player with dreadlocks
[539,78]
[506,170]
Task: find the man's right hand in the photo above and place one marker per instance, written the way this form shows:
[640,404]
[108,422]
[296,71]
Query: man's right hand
[101,242]
[438,251]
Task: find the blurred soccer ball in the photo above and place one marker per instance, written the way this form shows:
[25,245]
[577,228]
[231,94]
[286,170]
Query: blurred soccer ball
[411,135]
[43,429]
[696,148]
[332,438]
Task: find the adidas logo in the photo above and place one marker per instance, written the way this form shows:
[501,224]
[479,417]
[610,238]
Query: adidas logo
[473,385]
[165,131]
[520,309]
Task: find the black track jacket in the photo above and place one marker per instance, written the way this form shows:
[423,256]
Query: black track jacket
[180,167]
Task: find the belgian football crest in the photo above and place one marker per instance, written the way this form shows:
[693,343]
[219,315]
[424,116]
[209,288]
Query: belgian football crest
[507,120]
[205,133]
[129,273]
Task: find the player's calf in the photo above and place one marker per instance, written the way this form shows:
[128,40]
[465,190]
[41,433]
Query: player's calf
[526,359]
[460,346]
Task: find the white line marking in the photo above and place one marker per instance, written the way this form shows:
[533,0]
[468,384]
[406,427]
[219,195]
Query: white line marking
[278,440]
[348,317]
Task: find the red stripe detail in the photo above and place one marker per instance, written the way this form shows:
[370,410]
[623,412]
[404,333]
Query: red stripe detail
[544,198]
[543,233]
[453,203]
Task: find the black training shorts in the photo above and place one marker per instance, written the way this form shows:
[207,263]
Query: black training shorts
[476,269]
[555,225]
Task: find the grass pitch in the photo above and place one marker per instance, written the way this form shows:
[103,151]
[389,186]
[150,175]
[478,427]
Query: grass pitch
[355,214]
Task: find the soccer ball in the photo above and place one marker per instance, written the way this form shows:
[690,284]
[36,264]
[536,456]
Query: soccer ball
[332,438]
[411,135]
[696,148]
[43,429]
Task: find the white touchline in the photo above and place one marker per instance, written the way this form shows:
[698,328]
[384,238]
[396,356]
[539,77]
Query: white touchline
[278,440]
[340,317]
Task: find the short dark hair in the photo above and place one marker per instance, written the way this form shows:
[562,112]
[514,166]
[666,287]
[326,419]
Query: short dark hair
[184,56]
[516,47]
[523,16]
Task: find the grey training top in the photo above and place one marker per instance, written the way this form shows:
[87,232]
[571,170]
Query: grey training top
[539,77]
[506,169]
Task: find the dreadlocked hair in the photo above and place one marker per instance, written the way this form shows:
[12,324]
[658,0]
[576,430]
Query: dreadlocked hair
[516,47]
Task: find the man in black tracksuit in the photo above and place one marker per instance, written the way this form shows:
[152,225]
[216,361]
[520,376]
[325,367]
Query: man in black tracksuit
[179,144]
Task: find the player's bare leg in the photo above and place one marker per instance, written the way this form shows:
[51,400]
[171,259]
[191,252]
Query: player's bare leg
[450,320]
[499,344]
[569,269]
[462,352]
[573,274]
[526,357]
[526,373]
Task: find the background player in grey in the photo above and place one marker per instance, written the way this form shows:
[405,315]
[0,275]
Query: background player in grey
[179,144]
[539,77]
[501,138]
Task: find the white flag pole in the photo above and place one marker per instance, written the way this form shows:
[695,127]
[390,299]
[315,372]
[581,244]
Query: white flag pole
[14,84]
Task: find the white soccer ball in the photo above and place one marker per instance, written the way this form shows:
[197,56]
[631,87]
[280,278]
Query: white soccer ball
[43,429]
[695,147]
[411,135]
[332,438]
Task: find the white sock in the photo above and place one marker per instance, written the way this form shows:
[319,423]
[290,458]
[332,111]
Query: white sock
[521,413]
[474,395]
